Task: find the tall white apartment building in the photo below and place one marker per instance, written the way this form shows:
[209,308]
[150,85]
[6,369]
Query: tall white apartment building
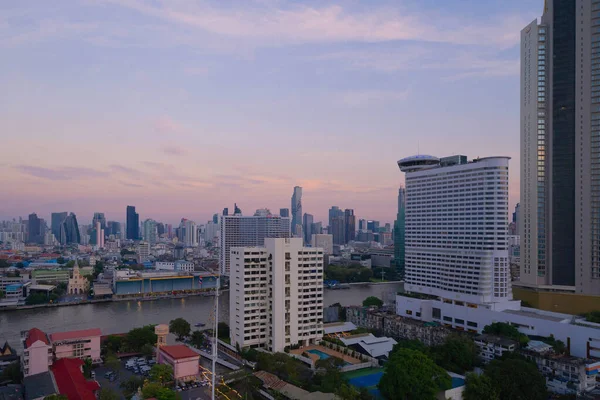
[245,231]
[456,229]
[323,241]
[276,294]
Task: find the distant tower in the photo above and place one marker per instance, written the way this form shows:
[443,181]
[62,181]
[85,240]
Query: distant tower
[161,331]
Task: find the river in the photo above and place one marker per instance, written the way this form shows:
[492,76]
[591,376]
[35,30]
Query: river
[121,316]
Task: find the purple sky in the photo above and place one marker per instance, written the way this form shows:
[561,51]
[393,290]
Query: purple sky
[184,107]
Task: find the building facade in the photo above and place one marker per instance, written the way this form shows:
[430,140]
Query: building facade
[307,225]
[323,241]
[78,284]
[242,231]
[296,210]
[132,224]
[560,148]
[456,229]
[399,228]
[276,295]
[349,225]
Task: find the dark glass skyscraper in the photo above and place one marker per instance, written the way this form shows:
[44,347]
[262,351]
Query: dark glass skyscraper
[349,225]
[71,230]
[34,229]
[56,222]
[133,224]
[296,209]
[284,212]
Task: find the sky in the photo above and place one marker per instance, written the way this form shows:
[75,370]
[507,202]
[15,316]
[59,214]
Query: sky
[183,107]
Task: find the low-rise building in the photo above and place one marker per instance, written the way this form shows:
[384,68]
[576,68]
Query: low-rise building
[50,275]
[70,381]
[39,386]
[80,344]
[183,360]
[78,284]
[37,352]
[376,347]
[492,347]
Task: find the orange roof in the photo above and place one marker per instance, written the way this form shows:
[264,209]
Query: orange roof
[71,382]
[179,351]
[75,334]
[34,335]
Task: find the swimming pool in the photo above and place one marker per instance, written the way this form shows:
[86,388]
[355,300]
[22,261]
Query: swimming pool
[322,356]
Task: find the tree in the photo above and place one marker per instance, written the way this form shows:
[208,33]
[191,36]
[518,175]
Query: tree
[131,385]
[479,387]
[112,362]
[2,294]
[458,354]
[372,301]
[70,264]
[147,350]
[98,268]
[138,337]
[223,330]
[197,340]
[36,298]
[12,373]
[593,316]
[113,344]
[161,373]
[61,260]
[517,379]
[108,394]
[180,327]
[87,367]
[410,374]
[155,390]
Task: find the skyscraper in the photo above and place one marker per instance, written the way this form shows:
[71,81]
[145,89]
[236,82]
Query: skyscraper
[56,221]
[450,254]
[99,217]
[334,211]
[307,223]
[349,225]
[34,227]
[296,209]
[113,228]
[362,224]
[338,230]
[284,212]
[399,229]
[215,218]
[71,230]
[373,226]
[150,231]
[133,224]
[99,235]
[245,231]
[560,150]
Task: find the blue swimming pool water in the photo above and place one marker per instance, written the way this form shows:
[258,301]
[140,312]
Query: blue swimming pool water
[322,356]
[457,382]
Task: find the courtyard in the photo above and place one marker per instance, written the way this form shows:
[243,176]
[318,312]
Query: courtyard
[318,352]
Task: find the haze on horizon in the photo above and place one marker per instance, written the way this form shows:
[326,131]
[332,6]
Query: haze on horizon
[182,108]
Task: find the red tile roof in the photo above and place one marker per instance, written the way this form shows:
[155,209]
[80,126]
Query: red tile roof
[75,334]
[70,380]
[179,351]
[34,335]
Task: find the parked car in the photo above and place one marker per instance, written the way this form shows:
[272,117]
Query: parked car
[93,375]
[108,374]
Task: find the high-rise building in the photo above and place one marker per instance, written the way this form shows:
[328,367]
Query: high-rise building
[324,241]
[362,224]
[191,233]
[373,226]
[334,211]
[282,304]
[284,212]
[316,228]
[246,231]
[71,230]
[34,229]
[399,229]
[296,210]
[133,224]
[99,235]
[349,225]
[456,225]
[307,223]
[99,217]
[149,231]
[215,218]
[338,230]
[211,233]
[560,150]
[56,223]
[113,228]
[226,211]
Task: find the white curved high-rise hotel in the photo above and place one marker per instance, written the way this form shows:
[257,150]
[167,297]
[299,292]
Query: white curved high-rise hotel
[456,228]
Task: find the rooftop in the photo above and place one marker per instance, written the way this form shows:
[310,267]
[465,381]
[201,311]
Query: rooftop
[71,382]
[337,327]
[11,392]
[75,334]
[496,340]
[39,385]
[533,314]
[34,335]
[179,351]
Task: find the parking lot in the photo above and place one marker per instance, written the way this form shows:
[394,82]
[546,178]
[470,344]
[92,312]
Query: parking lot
[187,392]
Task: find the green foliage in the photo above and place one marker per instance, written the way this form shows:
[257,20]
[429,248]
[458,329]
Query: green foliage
[36,298]
[113,344]
[56,397]
[250,354]
[410,374]
[112,362]
[131,385]
[197,340]
[61,260]
[87,368]
[155,390]
[161,373]
[593,316]
[506,330]
[138,337]
[516,379]
[411,345]
[285,367]
[70,264]
[223,330]
[2,294]
[180,327]
[108,394]
[351,273]
[480,387]
[147,350]
[372,301]
[98,268]
[389,274]
[4,264]
[349,392]
[458,354]
[12,373]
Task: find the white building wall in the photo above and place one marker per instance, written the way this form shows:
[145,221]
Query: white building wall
[323,241]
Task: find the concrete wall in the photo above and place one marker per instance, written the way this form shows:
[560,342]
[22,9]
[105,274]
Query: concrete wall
[557,302]
[38,358]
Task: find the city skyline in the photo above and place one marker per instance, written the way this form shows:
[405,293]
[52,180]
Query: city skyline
[114,126]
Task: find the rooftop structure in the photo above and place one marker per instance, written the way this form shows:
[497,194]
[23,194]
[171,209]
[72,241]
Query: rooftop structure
[71,382]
